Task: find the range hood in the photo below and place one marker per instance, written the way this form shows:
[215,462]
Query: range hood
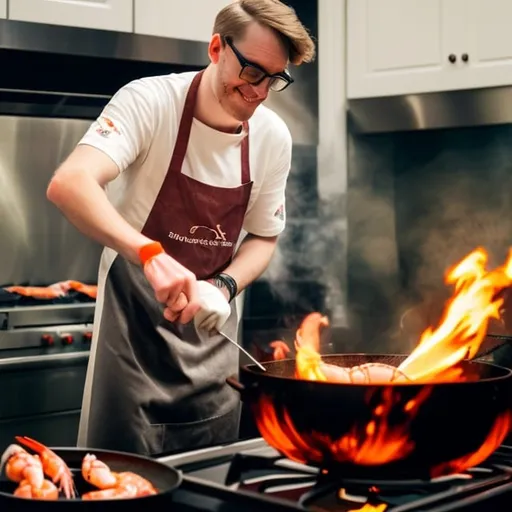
[449,109]
[58,71]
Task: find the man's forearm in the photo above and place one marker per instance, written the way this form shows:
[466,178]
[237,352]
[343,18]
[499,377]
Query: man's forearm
[86,206]
[251,259]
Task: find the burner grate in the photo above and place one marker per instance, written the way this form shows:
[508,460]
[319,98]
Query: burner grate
[312,489]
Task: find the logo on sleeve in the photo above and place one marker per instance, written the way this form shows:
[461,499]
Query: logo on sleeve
[279,213]
[106,127]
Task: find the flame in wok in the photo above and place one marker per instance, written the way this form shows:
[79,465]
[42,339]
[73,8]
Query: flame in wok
[459,335]
[375,442]
[465,320]
[496,436]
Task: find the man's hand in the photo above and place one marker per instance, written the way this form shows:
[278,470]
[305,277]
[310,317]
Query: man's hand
[170,280]
[215,309]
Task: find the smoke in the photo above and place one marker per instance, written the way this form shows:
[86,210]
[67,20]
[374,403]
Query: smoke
[300,273]
[418,204]
[307,271]
[466,211]
[372,266]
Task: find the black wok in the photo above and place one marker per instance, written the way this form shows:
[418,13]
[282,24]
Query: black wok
[455,425]
[165,479]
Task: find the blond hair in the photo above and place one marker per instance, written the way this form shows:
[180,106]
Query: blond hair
[232,21]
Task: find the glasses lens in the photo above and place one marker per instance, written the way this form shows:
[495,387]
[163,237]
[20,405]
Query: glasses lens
[251,74]
[254,75]
[278,84]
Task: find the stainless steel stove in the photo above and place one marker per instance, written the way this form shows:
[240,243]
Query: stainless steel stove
[250,475]
[44,351]
[44,344]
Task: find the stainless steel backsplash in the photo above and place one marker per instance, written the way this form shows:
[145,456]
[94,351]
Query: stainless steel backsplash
[419,202]
[38,245]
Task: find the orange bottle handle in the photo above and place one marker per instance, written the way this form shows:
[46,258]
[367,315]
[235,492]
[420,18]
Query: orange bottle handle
[148,251]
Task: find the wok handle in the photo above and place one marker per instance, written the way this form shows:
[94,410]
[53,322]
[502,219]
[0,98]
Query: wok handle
[246,393]
[235,384]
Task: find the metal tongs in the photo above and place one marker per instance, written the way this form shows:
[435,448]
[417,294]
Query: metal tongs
[258,364]
[242,349]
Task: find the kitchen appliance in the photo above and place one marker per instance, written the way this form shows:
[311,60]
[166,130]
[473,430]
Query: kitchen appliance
[44,343]
[251,476]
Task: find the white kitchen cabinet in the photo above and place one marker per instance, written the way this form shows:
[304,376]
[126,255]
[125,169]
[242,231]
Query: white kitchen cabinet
[114,15]
[190,19]
[3,8]
[419,46]
[489,42]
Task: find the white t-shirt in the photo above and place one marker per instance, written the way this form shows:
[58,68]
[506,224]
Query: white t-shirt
[138,130]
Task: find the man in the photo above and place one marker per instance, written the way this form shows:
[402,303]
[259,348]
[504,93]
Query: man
[168,274]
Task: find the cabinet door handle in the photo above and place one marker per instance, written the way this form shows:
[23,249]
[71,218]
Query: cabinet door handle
[452,58]
[464,57]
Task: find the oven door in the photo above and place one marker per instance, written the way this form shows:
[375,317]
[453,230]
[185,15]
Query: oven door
[41,395]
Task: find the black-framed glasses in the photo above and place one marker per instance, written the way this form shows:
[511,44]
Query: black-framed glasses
[254,74]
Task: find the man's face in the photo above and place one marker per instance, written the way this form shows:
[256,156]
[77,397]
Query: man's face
[259,46]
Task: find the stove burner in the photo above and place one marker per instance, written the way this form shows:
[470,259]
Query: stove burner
[312,488]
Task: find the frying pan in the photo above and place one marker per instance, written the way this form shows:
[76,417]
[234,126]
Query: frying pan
[165,479]
[452,426]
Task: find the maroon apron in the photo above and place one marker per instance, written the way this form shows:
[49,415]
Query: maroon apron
[154,386]
[196,223]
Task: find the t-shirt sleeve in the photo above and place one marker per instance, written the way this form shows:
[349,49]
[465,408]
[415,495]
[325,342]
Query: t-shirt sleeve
[267,215]
[126,125]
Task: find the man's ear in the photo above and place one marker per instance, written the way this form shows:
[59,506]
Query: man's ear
[214,48]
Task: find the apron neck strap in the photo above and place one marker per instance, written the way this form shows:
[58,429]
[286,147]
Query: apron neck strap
[246,173]
[180,148]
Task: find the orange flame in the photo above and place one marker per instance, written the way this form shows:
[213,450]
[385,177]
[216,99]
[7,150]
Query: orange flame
[498,432]
[370,508]
[465,320]
[375,442]
[279,350]
[274,351]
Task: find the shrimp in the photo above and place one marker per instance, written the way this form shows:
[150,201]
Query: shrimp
[27,470]
[363,374]
[144,487]
[21,465]
[53,465]
[311,367]
[97,473]
[112,485]
[114,493]
[48,491]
